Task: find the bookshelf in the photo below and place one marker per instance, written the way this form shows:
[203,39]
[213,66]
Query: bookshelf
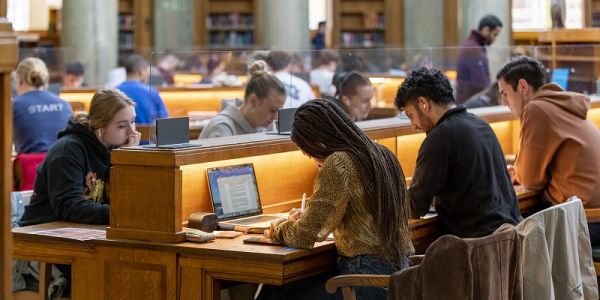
[135,27]
[365,23]
[594,13]
[227,24]
[575,49]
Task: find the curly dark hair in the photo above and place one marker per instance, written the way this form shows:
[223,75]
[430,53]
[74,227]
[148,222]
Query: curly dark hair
[429,83]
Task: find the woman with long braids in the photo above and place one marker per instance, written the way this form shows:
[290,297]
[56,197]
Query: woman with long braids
[359,195]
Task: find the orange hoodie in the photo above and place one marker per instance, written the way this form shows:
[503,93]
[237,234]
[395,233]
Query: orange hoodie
[559,150]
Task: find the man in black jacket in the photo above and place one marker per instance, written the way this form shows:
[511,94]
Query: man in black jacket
[460,162]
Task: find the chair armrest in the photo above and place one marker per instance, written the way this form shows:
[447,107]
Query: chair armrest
[592,215]
[416,259]
[356,280]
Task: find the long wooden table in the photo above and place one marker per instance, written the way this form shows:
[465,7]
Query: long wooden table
[125,269]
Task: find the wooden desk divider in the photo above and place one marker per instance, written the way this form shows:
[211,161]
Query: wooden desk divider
[153,191]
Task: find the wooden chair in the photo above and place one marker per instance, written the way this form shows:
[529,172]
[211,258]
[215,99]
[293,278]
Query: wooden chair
[44,282]
[347,282]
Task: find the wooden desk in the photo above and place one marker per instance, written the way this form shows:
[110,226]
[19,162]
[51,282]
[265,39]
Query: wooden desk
[124,269]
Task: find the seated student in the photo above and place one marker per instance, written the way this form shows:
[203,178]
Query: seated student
[73,76]
[214,67]
[460,162]
[323,75]
[72,182]
[298,91]
[360,195]
[166,67]
[148,103]
[354,92]
[264,96]
[38,115]
[559,149]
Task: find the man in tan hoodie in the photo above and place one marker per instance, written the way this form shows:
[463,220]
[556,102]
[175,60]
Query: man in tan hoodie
[559,149]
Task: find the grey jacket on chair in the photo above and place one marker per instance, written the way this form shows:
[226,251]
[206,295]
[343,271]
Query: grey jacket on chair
[557,255]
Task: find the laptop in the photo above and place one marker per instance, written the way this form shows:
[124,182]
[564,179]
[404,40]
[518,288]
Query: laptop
[234,197]
[172,133]
[285,119]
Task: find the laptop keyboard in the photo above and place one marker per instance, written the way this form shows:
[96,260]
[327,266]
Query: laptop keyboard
[255,219]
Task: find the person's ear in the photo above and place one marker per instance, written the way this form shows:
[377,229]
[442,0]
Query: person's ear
[345,100]
[252,100]
[485,31]
[423,103]
[522,86]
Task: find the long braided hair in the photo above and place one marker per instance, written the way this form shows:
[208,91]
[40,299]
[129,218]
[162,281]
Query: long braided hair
[321,128]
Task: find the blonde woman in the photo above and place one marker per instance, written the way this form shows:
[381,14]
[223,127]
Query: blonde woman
[72,182]
[38,115]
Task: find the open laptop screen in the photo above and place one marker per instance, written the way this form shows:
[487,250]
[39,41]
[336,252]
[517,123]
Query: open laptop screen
[233,191]
[285,120]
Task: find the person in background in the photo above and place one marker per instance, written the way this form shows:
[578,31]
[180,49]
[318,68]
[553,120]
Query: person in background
[472,67]
[323,75]
[38,115]
[360,196]
[214,67]
[559,148]
[318,41]
[264,96]
[298,91]
[73,75]
[460,162]
[166,67]
[72,182]
[354,94]
[149,105]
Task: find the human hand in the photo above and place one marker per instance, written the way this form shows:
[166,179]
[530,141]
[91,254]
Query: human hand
[513,173]
[294,214]
[133,140]
[269,232]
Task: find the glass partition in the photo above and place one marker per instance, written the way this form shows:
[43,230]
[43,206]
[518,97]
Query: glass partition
[200,84]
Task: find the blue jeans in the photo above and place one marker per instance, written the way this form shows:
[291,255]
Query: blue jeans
[314,287]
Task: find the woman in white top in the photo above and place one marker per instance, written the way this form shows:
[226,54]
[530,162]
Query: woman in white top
[298,91]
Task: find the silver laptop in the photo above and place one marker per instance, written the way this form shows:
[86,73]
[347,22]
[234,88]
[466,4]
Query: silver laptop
[234,196]
[172,133]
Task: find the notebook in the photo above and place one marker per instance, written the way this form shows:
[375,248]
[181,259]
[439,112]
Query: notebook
[234,196]
[285,119]
[172,133]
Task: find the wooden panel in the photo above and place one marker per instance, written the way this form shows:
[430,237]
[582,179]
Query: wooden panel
[143,27]
[394,22]
[282,178]
[407,152]
[451,22]
[8,60]
[138,274]
[361,6]
[230,6]
[137,209]
[504,133]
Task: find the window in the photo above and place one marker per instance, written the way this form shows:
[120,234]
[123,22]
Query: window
[534,15]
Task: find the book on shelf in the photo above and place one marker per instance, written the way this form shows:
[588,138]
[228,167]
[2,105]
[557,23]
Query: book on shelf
[126,21]
[232,20]
[373,20]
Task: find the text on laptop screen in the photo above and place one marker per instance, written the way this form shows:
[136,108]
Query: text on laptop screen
[233,191]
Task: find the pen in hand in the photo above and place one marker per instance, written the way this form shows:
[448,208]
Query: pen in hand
[303,205]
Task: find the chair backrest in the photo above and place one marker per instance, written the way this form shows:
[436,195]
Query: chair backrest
[24,170]
[455,268]
[557,254]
